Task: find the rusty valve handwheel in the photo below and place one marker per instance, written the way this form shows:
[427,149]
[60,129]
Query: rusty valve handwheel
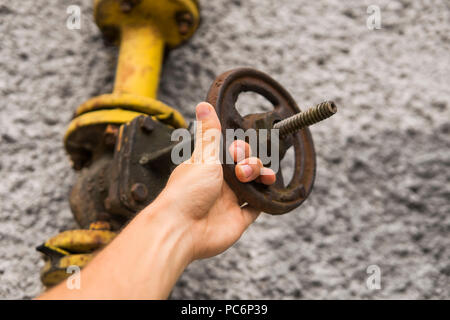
[277,198]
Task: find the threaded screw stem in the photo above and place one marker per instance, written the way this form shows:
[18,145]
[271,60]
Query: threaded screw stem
[304,119]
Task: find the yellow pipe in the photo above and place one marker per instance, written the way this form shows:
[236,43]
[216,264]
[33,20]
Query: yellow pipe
[143,29]
[140,60]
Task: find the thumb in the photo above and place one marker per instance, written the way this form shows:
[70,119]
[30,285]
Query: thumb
[207,134]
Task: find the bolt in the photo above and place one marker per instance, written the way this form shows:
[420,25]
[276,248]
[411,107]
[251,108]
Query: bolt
[185,22]
[146,124]
[144,160]
[304,119]
[139,192]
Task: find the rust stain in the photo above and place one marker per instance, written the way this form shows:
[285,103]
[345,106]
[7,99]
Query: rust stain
[126,71]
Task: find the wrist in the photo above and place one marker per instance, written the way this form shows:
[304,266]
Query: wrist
[172,230]
[143,262]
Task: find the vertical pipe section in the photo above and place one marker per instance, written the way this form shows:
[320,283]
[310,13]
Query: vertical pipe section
[140,60]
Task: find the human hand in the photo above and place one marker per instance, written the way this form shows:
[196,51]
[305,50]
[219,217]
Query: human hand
[196,216]
[199,197]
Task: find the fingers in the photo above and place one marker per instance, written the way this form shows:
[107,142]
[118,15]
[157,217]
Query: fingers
[239,150]
[207,134]
[207,148]
[249,169]
[267,176]
[252,168]
[206,114]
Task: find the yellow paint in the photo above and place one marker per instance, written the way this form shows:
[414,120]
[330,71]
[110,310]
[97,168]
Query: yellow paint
[113,116]
[77,249]
[142,31]
[54,273]
[108,14]
[132,102]
[100,225]
[81,241]
[140,60]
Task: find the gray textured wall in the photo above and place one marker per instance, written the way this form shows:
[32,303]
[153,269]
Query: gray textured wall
[382,190]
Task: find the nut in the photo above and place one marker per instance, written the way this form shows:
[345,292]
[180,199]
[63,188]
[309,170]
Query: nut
[147,125]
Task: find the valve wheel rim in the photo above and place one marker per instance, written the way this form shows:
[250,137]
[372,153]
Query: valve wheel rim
[275,199]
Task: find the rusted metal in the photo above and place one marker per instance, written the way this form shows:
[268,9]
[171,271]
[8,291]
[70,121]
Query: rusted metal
[89,191]
[123,180]
[140,168]
[110,135]
[276,198]
[306,118]
[72,248]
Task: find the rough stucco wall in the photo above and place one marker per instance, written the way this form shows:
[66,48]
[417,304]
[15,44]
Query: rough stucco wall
[382,189]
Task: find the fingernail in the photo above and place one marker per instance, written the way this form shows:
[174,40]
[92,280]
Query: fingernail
[246,170]
[240,154]
[266,172]
[203,111]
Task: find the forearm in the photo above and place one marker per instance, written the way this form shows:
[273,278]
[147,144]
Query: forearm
[143,262]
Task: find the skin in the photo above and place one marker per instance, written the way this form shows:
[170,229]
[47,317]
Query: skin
[196,216]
